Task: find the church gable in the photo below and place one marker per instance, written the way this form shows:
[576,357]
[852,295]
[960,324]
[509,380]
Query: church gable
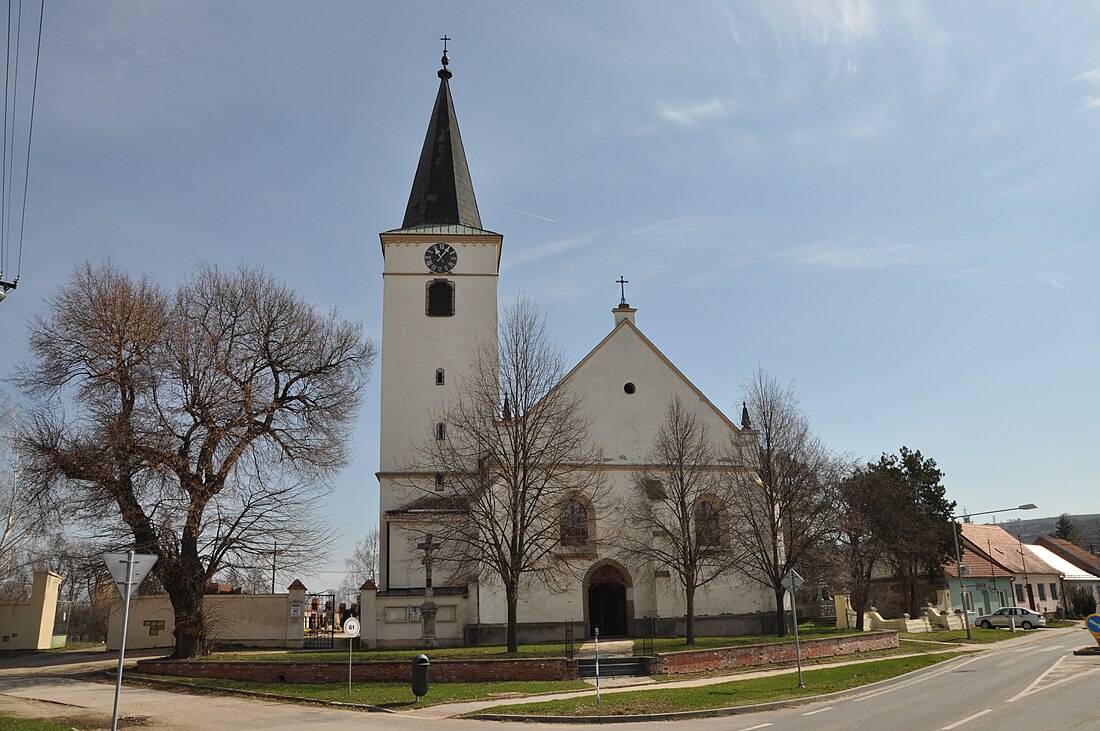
[625,384]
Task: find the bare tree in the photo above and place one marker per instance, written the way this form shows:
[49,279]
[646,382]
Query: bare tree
[676,511]
[362,564]
[514,452]
[24,511]
[203,421]
[784,507]
[861,544]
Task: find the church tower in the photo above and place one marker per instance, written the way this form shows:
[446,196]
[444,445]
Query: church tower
[439,299]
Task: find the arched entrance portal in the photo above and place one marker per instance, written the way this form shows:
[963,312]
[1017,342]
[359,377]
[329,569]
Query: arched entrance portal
[606,601]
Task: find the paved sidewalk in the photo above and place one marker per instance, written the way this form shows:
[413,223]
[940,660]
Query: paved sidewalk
[608,649]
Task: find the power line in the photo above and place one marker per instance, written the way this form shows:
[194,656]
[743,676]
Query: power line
[10,153]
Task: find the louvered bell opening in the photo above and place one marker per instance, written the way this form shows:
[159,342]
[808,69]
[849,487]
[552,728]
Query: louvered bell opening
[441,298]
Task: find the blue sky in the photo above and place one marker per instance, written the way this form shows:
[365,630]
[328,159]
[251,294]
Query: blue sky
[893,205]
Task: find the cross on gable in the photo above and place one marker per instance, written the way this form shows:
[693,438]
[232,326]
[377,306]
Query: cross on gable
[622,290]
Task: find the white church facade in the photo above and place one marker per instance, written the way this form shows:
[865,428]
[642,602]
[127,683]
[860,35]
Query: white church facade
[440,274]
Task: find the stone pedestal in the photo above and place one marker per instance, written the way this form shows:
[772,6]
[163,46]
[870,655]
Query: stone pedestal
[428,611]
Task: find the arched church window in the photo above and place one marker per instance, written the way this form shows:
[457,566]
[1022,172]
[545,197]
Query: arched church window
[574,523]
[439,376]
[708,529]
[440,298]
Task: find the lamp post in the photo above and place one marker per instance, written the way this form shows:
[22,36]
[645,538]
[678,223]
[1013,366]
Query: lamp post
[958,555]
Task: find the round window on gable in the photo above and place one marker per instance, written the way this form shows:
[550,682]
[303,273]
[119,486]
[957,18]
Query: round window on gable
[629,388]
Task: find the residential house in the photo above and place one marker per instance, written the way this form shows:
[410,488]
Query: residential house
[1037,583]
[1084,561]
[1073,577]
[986,584]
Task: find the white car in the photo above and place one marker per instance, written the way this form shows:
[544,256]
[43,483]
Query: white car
[1020,616]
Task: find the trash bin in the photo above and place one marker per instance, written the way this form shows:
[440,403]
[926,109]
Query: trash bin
[420,666]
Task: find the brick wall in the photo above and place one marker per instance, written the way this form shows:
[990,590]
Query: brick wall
[442,671]
[697,661]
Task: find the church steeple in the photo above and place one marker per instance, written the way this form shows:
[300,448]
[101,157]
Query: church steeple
[442,192]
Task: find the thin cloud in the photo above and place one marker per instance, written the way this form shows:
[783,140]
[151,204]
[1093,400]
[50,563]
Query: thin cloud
[1092,76]
[689,115]
[525,213]
[1090,102]
[1057,281]
[849,254]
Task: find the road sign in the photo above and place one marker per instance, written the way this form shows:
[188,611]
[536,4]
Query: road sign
[351,627]
[116,564]
[792,582]
[1092,622]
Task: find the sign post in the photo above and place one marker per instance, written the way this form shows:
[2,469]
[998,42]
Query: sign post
[351,629]
[791,582]
[128,570]
[1092,622]
[596,631]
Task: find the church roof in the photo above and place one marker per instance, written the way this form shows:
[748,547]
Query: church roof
[442,193]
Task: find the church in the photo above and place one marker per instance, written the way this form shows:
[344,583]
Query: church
[440,274]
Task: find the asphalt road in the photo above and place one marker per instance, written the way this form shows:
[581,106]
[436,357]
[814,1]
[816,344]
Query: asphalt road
[1036,685]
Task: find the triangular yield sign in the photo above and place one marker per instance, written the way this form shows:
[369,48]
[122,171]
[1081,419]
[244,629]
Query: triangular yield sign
[116,564]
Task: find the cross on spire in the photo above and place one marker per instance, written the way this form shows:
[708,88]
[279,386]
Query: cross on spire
[622,290]
[444,73]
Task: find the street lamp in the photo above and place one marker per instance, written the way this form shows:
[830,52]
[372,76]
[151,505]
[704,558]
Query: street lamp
[958,555]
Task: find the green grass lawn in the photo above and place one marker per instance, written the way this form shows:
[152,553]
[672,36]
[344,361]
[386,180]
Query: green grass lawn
[10,723]
[679,644]
[397,696]
[958,636]
[724,695]
[497,652]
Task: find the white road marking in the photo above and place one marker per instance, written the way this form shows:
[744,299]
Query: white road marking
[753,728]
[968,719]
[819,710]
[921,679]
[1027,690]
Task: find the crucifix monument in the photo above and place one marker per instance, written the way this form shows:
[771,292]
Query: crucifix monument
[428,609]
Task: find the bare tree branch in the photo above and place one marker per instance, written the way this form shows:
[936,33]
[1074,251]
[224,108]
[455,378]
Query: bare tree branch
[203,420]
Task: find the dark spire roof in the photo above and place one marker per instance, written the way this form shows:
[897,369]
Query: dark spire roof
[442,192]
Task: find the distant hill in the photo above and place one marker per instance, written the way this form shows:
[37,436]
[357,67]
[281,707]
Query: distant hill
[1030,529]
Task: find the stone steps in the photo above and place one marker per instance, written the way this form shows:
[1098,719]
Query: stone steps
[613,667]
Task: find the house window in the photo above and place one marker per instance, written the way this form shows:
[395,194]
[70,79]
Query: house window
[1001,596]
[574,523]
[708,531]
[1042,593]
[440,431]
[1020,593]
[967,605]
[440,298]
[439,377]
[1054,592]
[439,481]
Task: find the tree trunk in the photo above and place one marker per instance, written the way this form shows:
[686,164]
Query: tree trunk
[780,612]
[512,596]
[190,629]
[858,600]
[689,617]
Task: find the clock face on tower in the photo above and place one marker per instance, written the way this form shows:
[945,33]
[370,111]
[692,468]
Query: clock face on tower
[441,257]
